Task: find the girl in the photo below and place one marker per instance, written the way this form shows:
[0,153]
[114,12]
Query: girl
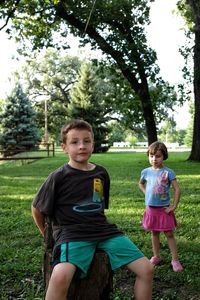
[159,215]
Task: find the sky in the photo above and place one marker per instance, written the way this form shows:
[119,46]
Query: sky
[165,35]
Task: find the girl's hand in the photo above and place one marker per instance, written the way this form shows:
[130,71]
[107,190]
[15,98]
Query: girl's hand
[170,208]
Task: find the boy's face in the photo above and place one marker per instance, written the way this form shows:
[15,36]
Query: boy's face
[79,145]
[156,159]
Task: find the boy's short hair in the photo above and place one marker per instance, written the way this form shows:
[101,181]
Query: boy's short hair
[158,146]
[75,124]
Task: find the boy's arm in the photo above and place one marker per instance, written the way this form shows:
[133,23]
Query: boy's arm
[39,219]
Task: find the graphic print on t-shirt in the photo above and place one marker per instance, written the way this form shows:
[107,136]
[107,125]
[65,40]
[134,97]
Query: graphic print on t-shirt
[97,190]
[161,185]
[95,204]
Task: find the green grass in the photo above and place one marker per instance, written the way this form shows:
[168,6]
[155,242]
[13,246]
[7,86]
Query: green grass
[21,248]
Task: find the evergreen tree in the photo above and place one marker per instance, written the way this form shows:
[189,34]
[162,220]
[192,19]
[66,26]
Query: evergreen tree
[87,103]
[18,131]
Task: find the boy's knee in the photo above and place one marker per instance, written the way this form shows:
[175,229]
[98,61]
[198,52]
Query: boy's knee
[148,272]
[62,275]
[58,278]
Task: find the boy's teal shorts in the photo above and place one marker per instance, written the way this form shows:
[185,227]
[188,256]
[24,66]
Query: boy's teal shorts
[120,250]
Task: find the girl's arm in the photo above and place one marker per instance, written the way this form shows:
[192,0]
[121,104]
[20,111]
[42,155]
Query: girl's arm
[177,195]
[39,219]
[142,186]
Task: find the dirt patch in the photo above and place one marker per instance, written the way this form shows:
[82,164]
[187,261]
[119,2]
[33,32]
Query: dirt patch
[124,281]
[172,291]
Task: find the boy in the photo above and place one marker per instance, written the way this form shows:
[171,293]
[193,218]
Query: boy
[74,196]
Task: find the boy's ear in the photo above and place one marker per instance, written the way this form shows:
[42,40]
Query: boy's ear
[64,147]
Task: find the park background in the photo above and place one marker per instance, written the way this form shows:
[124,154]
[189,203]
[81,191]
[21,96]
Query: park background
[21,253]
[22,247]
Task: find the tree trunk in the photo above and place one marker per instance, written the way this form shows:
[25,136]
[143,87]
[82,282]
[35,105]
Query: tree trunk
[140,86]
[98,284]
[195,152]
[148,113]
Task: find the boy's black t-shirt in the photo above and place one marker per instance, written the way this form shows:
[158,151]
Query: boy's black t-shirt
[75,201]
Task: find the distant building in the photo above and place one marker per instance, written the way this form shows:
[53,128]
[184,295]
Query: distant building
[142,144]
[121,144]
[172,145]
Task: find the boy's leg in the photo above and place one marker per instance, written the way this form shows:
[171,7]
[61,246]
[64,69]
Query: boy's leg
[60,281]
[122,251]
[68,257]
[144,278]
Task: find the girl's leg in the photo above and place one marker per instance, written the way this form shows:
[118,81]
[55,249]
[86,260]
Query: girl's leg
[144,278]
[155,239]
[60,281]
[176,265]
[172,244]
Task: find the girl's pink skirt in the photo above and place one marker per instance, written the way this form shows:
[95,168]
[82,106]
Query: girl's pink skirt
[156,219]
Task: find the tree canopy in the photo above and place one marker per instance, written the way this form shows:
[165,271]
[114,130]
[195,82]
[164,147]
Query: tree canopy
[49,77]
[116,27]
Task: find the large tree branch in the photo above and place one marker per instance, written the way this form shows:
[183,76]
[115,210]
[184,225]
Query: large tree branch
[105,47]
[10,13]
[140,88]
[134,56]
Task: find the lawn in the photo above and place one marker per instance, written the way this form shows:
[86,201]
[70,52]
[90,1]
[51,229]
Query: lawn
[21,250]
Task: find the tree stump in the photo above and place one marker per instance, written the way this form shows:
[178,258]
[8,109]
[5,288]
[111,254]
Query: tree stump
[98,284]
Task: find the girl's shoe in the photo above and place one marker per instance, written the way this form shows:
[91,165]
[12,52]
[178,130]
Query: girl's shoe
[155,260]
[176,266]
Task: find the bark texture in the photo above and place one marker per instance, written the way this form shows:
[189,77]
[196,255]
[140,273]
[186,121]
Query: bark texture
[195,152]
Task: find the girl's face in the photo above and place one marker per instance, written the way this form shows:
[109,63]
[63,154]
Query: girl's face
[79,146]
[156,160]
